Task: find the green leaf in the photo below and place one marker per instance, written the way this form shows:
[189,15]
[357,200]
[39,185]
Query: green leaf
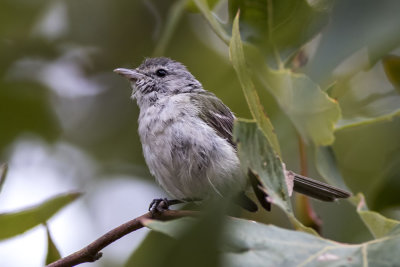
[236,54]
[326,164]
[311,110]
[378,225]
[3,174]
[294,92]
[278,27]
[256,153]
[15,223]
[254,244]
[52,252]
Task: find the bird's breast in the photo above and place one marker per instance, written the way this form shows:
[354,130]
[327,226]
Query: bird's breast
[186,156]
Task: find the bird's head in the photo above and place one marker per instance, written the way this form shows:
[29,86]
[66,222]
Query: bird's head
[159,77]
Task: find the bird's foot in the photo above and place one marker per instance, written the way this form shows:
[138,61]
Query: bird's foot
[159,205]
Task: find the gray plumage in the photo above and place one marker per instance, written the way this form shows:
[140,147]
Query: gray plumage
[186,134]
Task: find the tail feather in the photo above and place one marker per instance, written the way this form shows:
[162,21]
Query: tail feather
[317,189]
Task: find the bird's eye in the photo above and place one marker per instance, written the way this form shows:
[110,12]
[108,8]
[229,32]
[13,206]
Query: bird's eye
[161,72]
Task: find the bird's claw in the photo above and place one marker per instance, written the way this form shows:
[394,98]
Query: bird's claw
[159,205]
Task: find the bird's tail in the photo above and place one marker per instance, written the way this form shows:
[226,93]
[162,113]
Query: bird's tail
[317,189]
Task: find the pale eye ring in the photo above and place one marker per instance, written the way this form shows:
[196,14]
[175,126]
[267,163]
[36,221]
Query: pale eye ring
[161,72]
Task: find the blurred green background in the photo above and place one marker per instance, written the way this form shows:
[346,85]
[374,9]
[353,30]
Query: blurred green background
[67,121]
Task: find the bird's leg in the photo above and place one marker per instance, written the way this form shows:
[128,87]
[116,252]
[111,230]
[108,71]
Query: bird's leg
[158,205]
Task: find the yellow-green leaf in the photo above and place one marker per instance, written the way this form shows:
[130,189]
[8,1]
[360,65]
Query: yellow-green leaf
[378,225]
[15,223]
[236,54]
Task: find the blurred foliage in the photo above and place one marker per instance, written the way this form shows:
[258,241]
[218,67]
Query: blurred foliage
[197,244]
[325,70]
[15,223]
[278,28]
[52,252]
[255,244]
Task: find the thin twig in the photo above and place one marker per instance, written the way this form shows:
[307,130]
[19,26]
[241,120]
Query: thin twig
[91,252]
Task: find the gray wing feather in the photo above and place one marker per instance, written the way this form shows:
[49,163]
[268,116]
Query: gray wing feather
[215,114]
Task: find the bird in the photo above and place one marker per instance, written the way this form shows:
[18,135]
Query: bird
[186,136]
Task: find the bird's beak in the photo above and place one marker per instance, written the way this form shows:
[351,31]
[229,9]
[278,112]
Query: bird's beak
[132,75]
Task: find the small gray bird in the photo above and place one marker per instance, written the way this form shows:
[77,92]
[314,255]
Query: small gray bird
[186,134]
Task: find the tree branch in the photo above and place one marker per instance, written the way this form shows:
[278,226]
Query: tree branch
[91,252]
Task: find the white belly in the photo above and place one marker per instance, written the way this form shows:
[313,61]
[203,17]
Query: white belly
[185,155]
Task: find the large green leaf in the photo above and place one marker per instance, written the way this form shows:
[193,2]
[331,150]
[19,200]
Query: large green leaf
[277,26]
[256,154]
[253,244]
[310,109]
[238,61]
[378,225]
[15,223]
